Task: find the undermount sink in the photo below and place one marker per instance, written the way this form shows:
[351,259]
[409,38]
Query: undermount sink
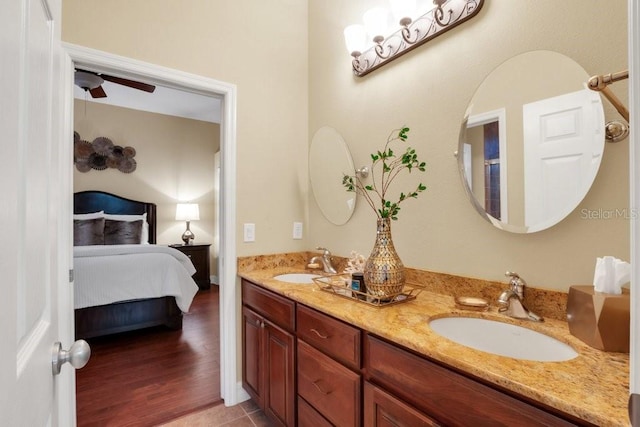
[303,278]
[503,339]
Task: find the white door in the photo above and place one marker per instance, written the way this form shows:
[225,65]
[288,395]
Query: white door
[34,218]
[562,150]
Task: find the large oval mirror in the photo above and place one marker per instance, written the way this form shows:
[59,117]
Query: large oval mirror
[329,161]
[531,142]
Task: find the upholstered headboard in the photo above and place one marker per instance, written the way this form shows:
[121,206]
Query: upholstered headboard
[94,201]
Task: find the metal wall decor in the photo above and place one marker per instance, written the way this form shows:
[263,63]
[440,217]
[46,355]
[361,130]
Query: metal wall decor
[101,154]
[412,33]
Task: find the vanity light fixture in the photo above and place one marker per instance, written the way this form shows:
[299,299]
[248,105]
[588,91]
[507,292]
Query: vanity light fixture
[187,212]
[370,49]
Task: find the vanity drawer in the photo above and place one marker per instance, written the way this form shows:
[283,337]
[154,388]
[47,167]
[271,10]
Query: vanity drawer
[450,398]
[331,336]
[309,417]
[279,310]
[382,409]
[332,389]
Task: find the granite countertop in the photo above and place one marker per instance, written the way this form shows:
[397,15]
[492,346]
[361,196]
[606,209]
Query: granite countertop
[593,386]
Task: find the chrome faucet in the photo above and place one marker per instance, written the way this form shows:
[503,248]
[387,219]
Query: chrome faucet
[511,300]
[325,260]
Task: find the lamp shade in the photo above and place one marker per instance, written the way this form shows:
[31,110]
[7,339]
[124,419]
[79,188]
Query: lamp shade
[355,37]
[403,9]
[376,21]
[187,212]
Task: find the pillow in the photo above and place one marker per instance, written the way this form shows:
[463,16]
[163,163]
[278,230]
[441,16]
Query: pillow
[144,237]
[88,232]
[122,232]
[91,215]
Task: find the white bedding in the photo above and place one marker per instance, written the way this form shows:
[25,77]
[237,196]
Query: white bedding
[104,274]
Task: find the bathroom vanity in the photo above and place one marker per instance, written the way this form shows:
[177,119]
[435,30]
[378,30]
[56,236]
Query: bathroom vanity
[327,360]
[268,364]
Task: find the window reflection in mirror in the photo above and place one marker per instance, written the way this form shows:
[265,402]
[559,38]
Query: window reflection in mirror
[532,142]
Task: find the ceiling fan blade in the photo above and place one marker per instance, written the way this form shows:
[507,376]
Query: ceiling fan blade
[98,92]
[130,83]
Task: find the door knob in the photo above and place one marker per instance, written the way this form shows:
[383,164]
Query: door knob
[78,355]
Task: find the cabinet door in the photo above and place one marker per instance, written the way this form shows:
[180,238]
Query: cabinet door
[279,359]
[383,410]
[253,375]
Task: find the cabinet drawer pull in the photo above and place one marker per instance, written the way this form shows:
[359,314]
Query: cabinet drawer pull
[315,331]
[315,383]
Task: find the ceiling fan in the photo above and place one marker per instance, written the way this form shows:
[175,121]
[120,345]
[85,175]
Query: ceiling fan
[92,82]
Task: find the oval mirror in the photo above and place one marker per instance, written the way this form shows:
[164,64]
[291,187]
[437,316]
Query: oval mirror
[329,160]
[531,142]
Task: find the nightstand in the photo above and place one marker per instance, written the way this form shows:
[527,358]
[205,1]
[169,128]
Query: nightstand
[199,255]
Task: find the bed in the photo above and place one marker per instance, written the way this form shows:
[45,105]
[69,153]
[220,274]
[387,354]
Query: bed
[109,298]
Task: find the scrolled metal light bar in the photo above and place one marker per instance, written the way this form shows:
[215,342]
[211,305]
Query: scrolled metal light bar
[414,33]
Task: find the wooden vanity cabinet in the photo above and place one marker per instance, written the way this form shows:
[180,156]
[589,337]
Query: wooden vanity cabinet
[305,368]
[329,378]
[268,364]
[445,397]
[333,337]
[381,409]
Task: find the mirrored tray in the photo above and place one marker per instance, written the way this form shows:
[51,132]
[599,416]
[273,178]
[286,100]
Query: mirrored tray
[340,285]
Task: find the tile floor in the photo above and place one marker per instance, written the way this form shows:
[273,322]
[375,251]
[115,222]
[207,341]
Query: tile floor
[246,414]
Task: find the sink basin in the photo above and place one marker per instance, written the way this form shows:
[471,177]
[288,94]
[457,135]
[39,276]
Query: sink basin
[503,339]
[303,278]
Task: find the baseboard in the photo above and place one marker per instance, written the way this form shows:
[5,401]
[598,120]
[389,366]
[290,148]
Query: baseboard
[241,395]
[213,280]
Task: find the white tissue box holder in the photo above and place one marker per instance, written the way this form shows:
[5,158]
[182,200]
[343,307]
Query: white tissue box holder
[600,320]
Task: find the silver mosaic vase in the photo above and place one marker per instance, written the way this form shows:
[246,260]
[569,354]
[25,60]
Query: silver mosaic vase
[384,273]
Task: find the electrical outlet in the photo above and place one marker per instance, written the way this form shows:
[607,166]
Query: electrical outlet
[297,230]
[249,232]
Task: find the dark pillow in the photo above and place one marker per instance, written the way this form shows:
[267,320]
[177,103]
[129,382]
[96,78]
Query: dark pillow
[122,232]
[88,232]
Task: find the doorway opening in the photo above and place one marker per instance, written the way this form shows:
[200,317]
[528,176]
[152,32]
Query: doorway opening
[93,60]
[486,168]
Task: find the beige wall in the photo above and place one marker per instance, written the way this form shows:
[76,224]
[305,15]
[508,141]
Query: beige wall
[428,90]
[285,95]
[175,163]
[259,46]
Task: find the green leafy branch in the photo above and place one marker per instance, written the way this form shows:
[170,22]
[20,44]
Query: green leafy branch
[392,165]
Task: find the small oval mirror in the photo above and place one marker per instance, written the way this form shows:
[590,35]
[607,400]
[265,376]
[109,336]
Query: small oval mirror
[329,160]
[531,142]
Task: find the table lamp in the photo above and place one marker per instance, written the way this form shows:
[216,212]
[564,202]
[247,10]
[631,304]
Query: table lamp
[187,212]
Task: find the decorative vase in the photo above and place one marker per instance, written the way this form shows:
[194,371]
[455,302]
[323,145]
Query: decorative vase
[384,273]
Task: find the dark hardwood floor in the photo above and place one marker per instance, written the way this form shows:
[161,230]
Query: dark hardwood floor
[152,376]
